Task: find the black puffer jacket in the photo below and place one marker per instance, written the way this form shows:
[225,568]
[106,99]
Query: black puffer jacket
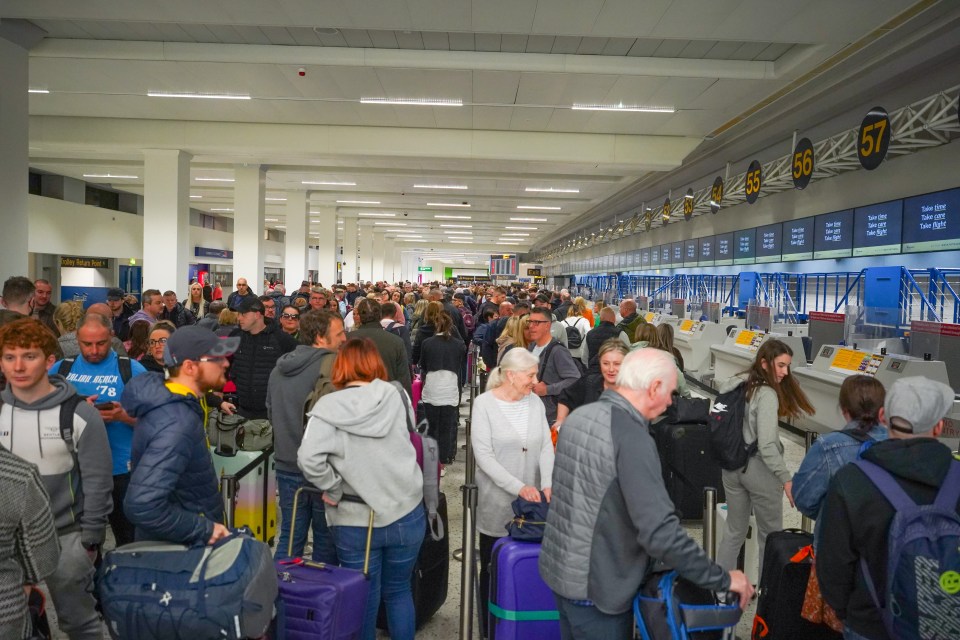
[180,316]
[252,363]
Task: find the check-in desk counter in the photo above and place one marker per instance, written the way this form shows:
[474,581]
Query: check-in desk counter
[739,349]
[693,340]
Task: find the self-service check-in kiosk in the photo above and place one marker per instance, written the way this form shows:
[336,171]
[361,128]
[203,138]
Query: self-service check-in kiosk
[739,349]
[693,340]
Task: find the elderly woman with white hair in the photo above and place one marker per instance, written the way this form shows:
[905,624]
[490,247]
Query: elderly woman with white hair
[512,447]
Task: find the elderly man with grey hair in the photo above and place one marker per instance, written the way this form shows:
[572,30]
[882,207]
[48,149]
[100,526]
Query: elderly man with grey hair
[610,515]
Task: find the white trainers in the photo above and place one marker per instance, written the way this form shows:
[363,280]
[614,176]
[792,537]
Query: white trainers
[443,471]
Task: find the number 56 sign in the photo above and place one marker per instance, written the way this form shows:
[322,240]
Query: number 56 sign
[874,138]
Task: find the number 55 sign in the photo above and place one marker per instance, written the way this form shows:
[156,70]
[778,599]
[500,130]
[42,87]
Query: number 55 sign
[874,138]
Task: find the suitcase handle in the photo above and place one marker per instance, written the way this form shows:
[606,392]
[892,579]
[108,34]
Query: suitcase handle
[344,498]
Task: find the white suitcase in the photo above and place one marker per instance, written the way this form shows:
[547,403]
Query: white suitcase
[750,553]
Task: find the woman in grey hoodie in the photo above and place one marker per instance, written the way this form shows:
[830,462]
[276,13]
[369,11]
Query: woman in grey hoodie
[357,449]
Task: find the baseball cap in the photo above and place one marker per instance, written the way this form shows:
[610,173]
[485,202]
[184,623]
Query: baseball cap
[915,404]
[250,304]
[192,343]
[115,293]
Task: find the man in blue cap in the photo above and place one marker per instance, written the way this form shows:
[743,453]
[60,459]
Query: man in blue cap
[173,493]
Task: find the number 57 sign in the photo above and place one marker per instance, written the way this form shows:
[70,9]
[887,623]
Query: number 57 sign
[874,138]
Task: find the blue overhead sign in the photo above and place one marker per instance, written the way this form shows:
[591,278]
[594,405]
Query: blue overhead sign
[207,252]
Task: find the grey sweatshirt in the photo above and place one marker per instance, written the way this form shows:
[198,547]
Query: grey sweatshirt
[80,499]
[291,381]
[761,425]
[357,443]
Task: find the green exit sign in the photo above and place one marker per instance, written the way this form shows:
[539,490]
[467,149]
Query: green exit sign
[424,268]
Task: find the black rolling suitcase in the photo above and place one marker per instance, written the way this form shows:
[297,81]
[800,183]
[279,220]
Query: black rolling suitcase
[430,574]
[783,585]
[688,466]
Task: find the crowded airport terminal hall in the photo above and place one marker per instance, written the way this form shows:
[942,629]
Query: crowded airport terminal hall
[480,320]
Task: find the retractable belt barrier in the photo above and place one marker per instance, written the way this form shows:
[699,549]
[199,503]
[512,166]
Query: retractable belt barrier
[468,569]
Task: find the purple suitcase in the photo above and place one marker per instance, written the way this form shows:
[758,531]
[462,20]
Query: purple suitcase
[319,601]
[521,604]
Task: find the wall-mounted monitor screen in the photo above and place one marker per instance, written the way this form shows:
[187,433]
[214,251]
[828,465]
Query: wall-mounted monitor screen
[655,256]
[798,240]
[690,253]
[932,222]
[676,254]
[707,251]
[644,257]
[745,246]
[877,228]
[723,249]
[769,243]
[666,259]
[833,235]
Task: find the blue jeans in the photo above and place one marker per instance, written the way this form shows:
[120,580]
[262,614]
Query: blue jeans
[579,622]
[393,554]
[310,512]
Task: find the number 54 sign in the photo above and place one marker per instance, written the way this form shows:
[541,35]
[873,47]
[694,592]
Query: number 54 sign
[874,138]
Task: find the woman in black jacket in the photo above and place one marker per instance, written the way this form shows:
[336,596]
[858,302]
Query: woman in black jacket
[429,327]
[589,387]
[440,359]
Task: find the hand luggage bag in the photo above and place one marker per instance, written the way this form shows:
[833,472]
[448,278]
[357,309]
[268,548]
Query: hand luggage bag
[416,389]
[319,601]
[521,605]
[783,585]
[167,591]
[254,503]
[430,580]
[687,466]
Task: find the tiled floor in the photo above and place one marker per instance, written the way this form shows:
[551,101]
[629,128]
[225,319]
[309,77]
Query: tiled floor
[445,625]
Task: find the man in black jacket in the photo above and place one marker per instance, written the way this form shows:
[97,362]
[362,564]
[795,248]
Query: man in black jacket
[565,303]
[175,312]
[600,334]
[261,345]
[391,347]
[858,517]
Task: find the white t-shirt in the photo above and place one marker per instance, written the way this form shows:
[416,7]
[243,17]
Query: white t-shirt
[517,414]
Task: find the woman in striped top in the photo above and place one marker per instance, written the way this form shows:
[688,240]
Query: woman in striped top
[512,447]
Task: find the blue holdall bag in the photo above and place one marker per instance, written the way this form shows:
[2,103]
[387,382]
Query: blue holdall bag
[671,608]
[168,591]
[921,598]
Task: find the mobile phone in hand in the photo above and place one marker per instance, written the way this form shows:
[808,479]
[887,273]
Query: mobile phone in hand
[103,406]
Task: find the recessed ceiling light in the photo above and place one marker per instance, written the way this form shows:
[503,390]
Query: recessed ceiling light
[281,226]
[204,179]
[444,217]
[507,243]
[550,190]
[110,175]
[460,233]
[417,102]
[329,183]
[440,186]
[457,226]
[358,202]
[460,241]
[530,207]
[391,224]
[210,96]
[621,107]
[516,234]
[275,199]
[409,240]
[271,219]
[38,91]
[371,214]
[447,204]
[222,209]
[522,228]
[196,197]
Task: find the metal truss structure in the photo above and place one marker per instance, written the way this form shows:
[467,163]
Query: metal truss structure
[927,123]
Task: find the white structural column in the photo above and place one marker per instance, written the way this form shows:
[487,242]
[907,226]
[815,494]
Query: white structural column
[393,259]
[295,247]
[349,257]
[379,251]
[248,214]
[323,222]
[166,219]
[366,253]
[14,159]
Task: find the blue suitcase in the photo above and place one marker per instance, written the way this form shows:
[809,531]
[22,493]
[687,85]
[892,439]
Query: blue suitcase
[521,604]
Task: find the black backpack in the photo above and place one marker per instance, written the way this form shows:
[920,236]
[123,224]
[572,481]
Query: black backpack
[726,429]
[574,337]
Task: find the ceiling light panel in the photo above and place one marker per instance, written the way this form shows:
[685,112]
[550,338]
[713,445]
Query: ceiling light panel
[390,224]
[522,228]
[371,214]
[189,94]
[328,183]
[622,107]
[530,207]
[550,190]
[447,204]
[416,102]
[110,176]
[440,186]
[358,202]
[444,217]
[211,179]
[457,226]
[528,219]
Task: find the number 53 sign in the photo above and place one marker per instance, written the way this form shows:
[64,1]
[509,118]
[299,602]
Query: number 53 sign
[874,138]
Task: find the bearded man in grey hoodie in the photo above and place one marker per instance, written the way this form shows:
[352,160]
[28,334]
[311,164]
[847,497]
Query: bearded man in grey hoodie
[292,381]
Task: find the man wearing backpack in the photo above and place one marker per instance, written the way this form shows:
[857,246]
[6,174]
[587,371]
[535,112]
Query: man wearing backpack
[47,424]
[557,370]
[99,375]
[865,543]
[300,378]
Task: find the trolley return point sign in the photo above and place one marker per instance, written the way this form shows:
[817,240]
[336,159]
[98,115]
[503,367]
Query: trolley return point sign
[86,263]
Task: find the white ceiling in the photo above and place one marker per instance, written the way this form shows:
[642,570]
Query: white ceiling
[517,66]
